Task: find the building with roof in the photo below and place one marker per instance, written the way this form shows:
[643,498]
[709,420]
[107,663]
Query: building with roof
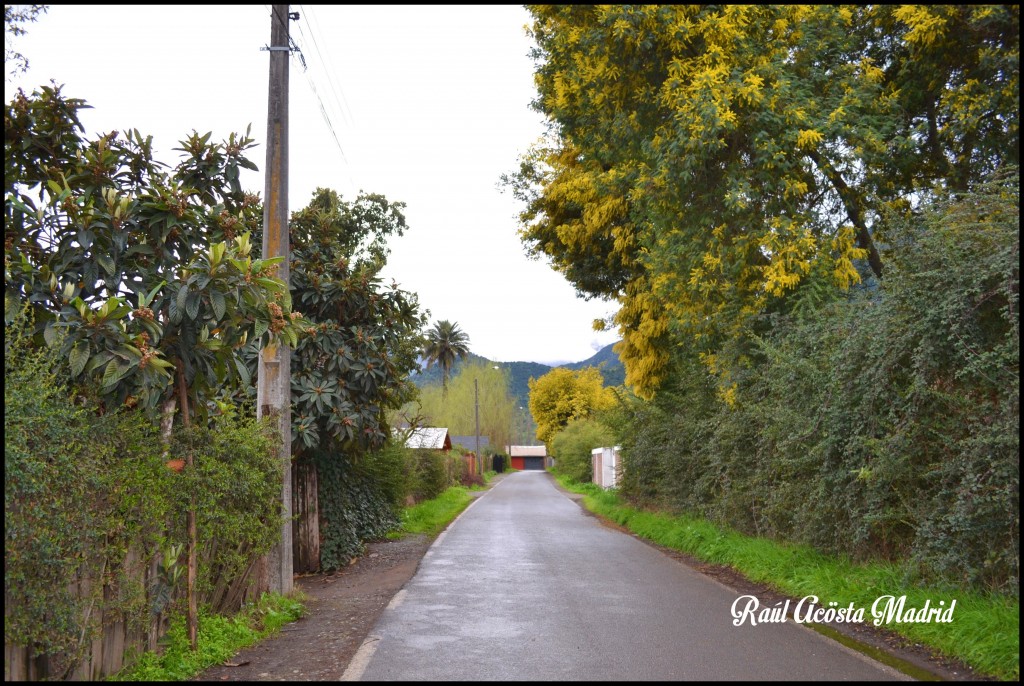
[469,442]
[429,438]
[528,456]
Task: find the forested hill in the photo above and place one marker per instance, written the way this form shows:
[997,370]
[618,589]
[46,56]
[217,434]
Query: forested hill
[521,372]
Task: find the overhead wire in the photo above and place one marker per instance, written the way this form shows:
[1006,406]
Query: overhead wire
[296,49]
[341,100]
[328,119]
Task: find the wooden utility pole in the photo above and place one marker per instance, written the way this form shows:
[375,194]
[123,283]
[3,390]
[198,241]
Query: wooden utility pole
[476,412]
[273,390]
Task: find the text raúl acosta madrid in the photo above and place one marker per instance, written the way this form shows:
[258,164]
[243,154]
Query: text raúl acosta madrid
[884,610]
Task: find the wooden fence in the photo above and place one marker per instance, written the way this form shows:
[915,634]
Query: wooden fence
[118,643]
[306,525]
[105,654]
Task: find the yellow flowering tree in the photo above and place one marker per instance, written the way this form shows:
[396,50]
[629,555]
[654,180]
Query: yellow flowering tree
[563,394]
[705,164]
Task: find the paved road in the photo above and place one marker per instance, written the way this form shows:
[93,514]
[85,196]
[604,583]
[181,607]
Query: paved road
[524,585]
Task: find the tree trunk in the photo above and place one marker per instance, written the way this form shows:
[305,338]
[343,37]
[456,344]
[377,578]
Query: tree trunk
[167,423]
[192,620]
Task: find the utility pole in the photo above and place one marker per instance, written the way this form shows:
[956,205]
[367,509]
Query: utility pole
[273,390]
[476,411]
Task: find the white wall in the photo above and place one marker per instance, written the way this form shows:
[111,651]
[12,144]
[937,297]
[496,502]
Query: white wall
[610,465]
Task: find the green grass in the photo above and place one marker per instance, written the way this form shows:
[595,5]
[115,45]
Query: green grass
[219,639]
[984,633]
[431,516]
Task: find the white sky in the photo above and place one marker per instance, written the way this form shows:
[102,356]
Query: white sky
[430,105]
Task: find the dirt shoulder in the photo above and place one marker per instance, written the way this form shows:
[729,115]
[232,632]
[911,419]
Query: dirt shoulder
[341,609]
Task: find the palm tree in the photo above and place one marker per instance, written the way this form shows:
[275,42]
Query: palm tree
[445,342]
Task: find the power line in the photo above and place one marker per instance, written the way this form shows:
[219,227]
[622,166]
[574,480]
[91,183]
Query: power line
[303,34]
[335,89]
[296,51]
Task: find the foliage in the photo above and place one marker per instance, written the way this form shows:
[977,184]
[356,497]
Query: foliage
[445,343]
[351,367]
[234,486]
[433,515]
[353,509]
[390,469]
[477,386]
[985,631]
[88,497]
[362,338]
[430,474]
[15,17]
[883,425]
[79,490]
[562,394]
[705,162]
[571,447]
[219,639]
[147,272]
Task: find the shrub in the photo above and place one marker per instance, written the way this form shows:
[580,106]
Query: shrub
[430,474]
[79,490]
[390,469]
[235,489]
[572,447]
[353,509]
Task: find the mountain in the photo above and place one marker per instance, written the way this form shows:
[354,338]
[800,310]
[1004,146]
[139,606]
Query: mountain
[608,362]
[520,373]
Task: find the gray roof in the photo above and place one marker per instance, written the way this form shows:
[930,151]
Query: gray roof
[469,442]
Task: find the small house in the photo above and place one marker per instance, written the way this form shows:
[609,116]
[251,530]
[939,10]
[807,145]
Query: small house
[528,457]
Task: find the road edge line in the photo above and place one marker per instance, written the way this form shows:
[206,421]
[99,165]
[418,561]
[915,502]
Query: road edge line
[361,660]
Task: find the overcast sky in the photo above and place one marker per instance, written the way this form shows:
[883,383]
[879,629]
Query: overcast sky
[429,106]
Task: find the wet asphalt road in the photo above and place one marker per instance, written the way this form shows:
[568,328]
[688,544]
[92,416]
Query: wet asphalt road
[525,586]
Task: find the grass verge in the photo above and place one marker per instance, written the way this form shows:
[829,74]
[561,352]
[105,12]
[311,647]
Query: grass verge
[984,633]
[432,516]
[219,638]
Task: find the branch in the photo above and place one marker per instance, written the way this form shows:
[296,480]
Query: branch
[853,210]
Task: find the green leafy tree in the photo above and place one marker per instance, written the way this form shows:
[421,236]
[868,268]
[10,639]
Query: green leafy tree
[477,385]
[445,342]
[706,163]
[562,395]
[143,277]
[148,273]
[571,447]
[15,17]
[362,338]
